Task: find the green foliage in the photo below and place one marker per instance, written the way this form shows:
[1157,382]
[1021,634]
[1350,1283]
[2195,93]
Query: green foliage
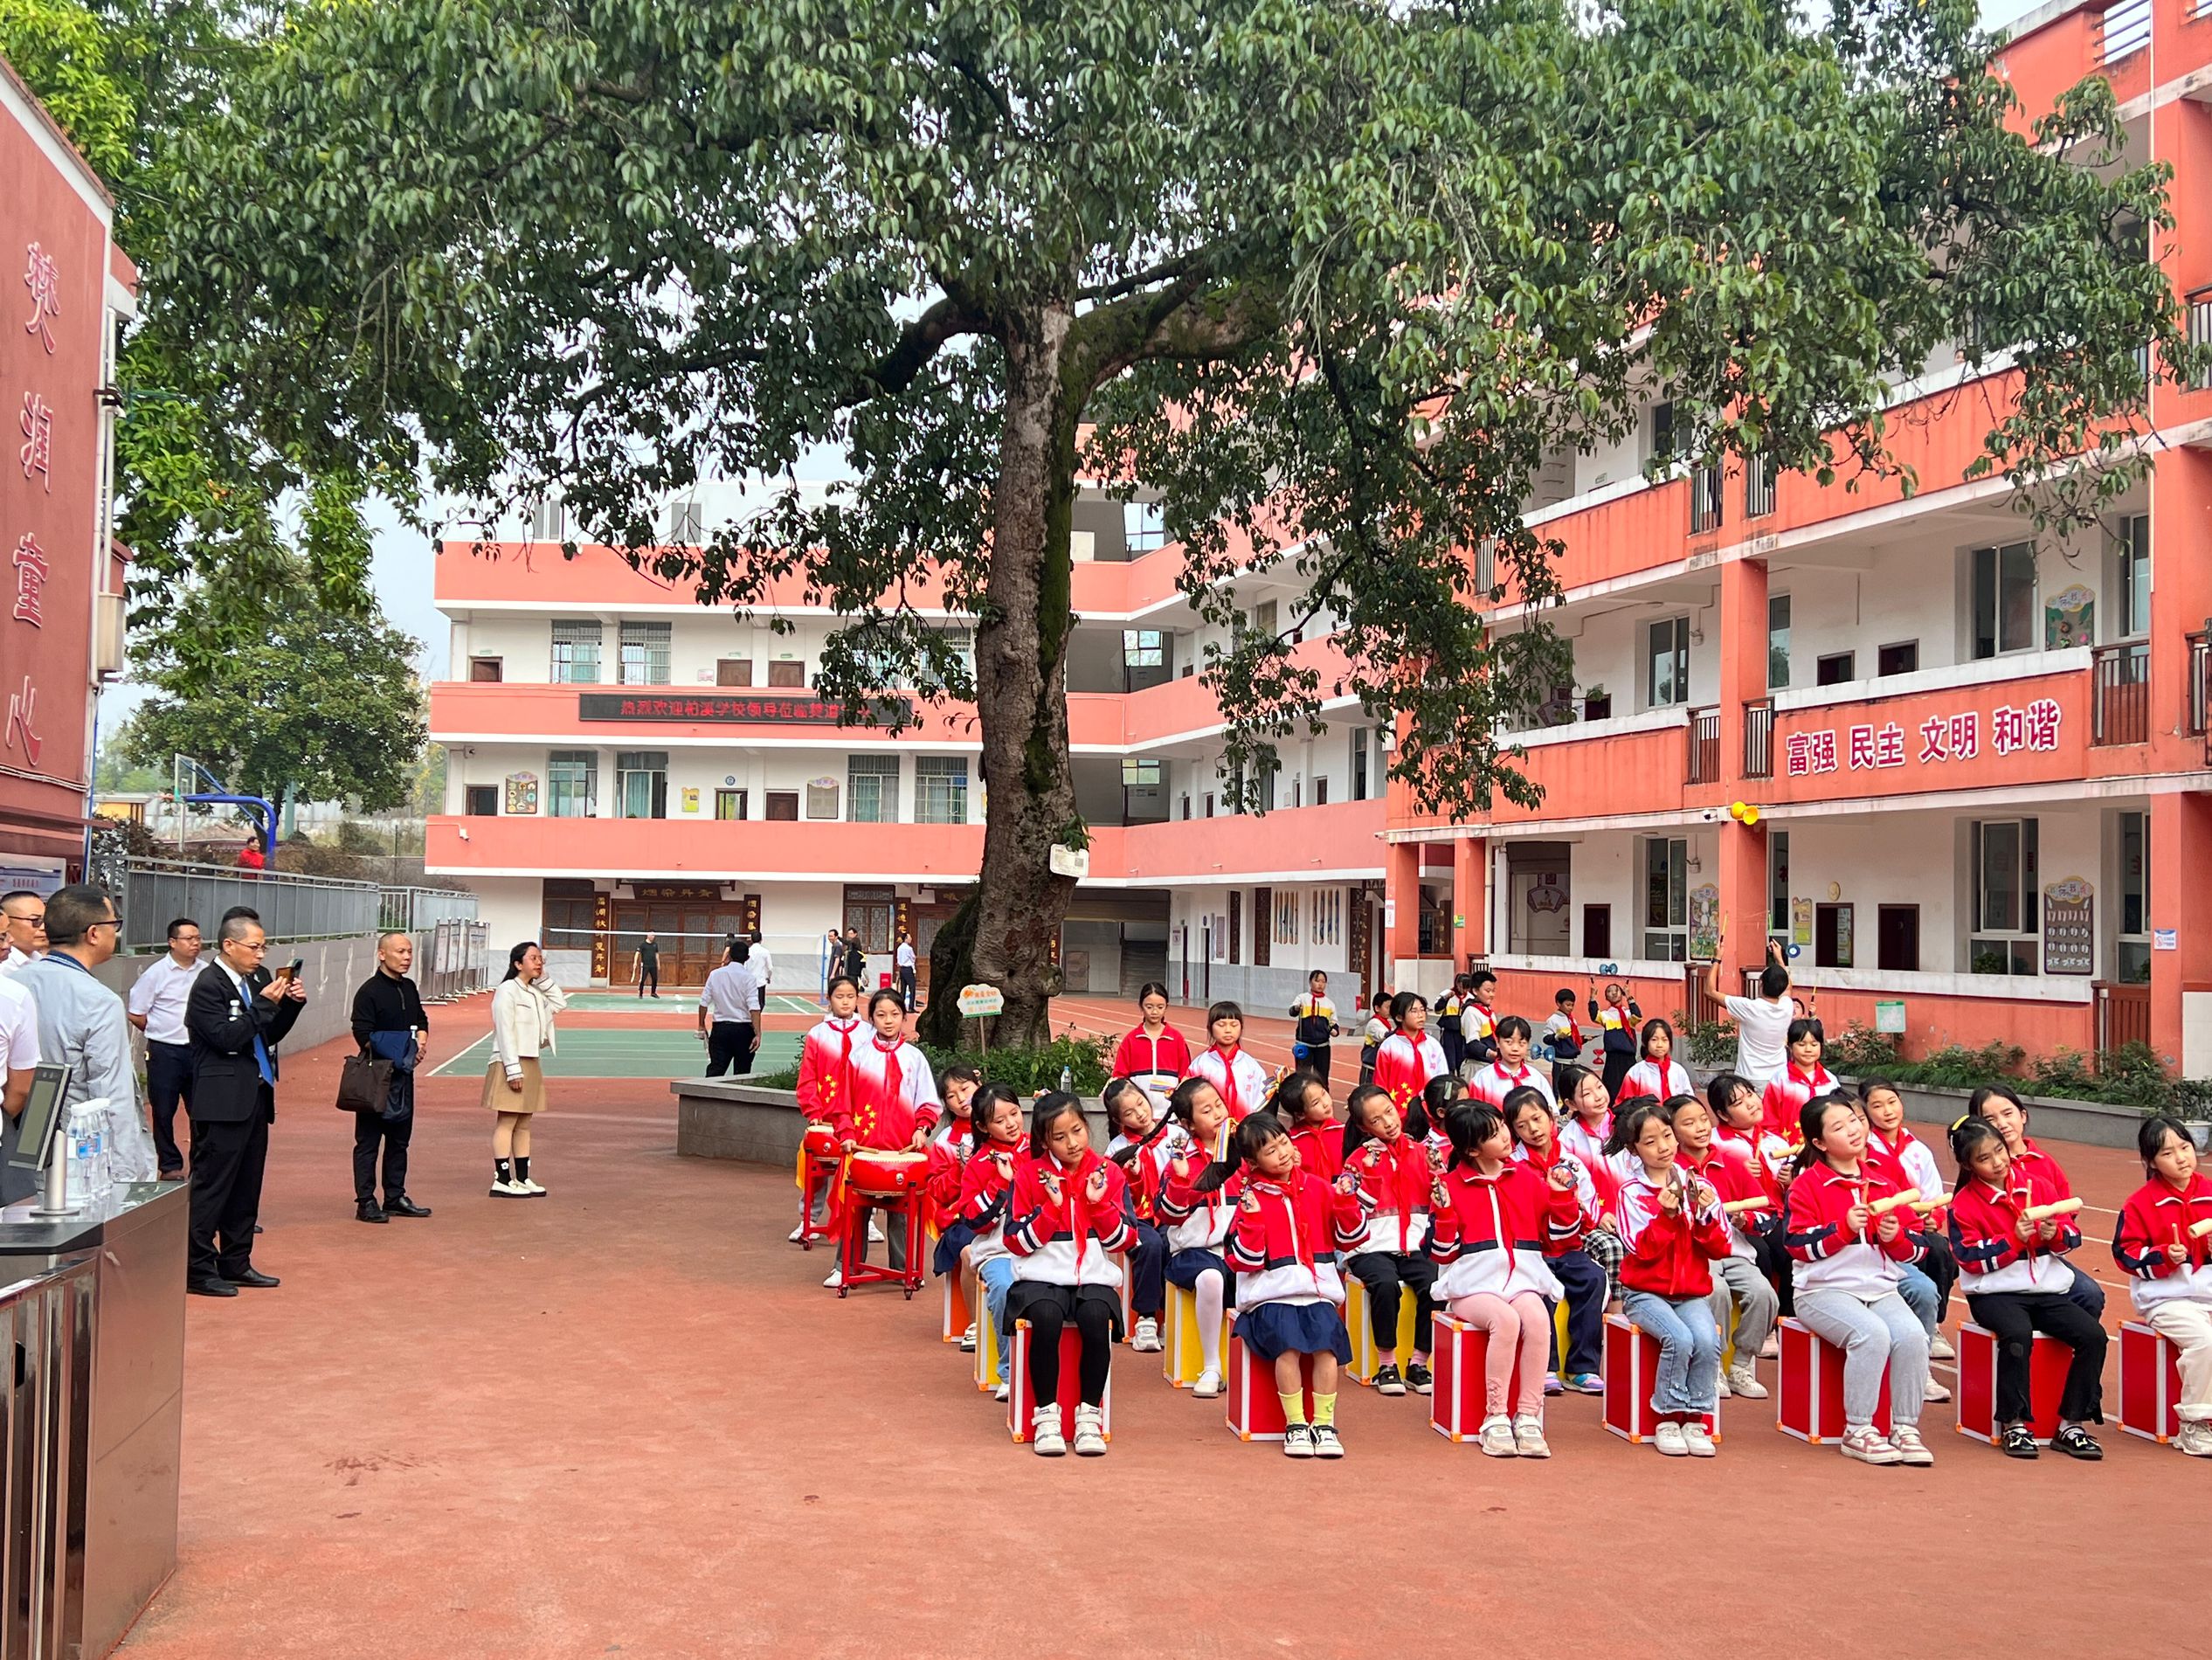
[1860,1051]
[1024,1071]
[327,705]
[1710,1044]
[2130,1076]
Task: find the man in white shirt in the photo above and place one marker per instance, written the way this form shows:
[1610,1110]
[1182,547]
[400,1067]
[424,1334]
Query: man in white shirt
[903,961]
[24,914]
[726,1005]
[756,958]
[157,1009]
[83,1025]
[19,1056]
[1762,1022]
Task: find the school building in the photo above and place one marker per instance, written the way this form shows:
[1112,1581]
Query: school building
[1978,754]
[622,758]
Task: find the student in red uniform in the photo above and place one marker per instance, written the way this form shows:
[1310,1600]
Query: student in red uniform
[1899,1154]
[1129,1116]
[1736,1282]
[1392,1169]
[1065,1220]
[1656,1076]
[1302,1105]
[949,1150]
[1803,1078]
[1738,1134]
[892,1105]
[1240,1080]
[1586,1125]
[825,1071]
[1510,1070]
[2015,1278]
[2000,1104]
[985,1182]
[2157,1243]
[1568,1256]
[1291,1228]
[1409,1057]
[1153,1053]
[1847,1261]
[1671,1224]
[1198,1218]
[1494,1215]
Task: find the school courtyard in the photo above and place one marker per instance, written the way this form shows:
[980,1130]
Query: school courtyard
[628,1419]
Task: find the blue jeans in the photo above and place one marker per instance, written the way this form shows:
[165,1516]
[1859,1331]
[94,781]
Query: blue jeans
[995,1274]
[1920,1294]
[1148,1272]
[1584,1282]
[1689,1348]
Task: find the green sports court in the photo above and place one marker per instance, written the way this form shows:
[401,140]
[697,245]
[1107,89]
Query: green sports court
[630,1002]
[632,1052]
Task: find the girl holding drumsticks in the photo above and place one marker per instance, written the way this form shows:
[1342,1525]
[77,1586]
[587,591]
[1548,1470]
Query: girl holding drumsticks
[2000,1104]
[1393,1170]
[1198,1219]
[1671,1226]
[2165,1240]
[985,1184]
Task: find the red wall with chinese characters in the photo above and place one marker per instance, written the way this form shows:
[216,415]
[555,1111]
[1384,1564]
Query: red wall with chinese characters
[54,254]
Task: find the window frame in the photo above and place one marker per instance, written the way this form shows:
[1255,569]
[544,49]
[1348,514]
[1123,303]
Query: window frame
[949,771]
[1678,653]
[875,768]
[562,658]
[560,789]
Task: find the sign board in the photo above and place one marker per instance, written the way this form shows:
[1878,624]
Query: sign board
[751,710]
[977,1001]
[522,793]
[1800,921]
[1889,1015]
[2069,927]
[2165,939]
[690,799]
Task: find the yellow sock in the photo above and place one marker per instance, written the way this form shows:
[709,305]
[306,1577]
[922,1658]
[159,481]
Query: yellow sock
[1324,1409]
[1293,1408]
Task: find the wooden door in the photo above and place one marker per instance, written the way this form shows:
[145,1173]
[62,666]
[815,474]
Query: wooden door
[1262,927]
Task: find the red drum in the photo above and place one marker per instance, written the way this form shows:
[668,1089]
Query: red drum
[820,1141]
[876,1174]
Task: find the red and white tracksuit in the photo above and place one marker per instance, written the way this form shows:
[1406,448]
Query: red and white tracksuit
[1240,1080]
[1286,1237]
[1667,1255]
[1068,1241]
[825,1066]
[893,1094]
[2173,1299]
[1394,1179]
[1985,1235]
[1786,1097]
[1494,1082]
[1660,1080]
[1404,1064]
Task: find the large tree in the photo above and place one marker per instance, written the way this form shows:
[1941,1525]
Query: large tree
[1333,276]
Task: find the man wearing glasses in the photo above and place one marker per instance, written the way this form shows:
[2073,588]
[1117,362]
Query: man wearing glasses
[83,1026]
[23,919]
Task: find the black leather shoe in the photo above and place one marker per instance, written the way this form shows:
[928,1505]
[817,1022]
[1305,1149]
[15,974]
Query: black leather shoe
[211,1288]
[257,1228]
[404,1205]
[2075,1443]
[255,1276]
[366,1211]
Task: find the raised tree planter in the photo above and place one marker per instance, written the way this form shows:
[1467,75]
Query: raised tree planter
[723,1118]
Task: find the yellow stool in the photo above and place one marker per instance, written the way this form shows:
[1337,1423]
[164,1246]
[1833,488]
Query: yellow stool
[1182,1356]
[986,1335]
[1362,1329]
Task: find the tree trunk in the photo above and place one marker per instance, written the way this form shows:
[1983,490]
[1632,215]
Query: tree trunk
[1021,681]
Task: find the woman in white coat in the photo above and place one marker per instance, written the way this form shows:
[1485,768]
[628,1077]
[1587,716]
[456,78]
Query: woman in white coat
[523,1012]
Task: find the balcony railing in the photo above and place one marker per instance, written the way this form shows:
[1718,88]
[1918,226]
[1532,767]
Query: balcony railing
[2123,684]
[2123,29]
[1759,738]
[1703,760]
[2200,332]
[1706,510]
[1758,488]
[2201,686]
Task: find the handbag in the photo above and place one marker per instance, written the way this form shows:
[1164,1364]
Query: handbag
[364,1081]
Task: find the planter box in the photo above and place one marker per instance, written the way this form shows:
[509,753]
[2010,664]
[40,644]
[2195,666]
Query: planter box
[724,1118]
[2094,1123]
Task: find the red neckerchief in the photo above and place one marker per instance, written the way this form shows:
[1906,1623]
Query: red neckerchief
[1811,1081]
[1516,1079]
[1389,1162]
[1076,1207]
[893,1082]
[2019,1198]
[844,1078]
[1229,1095]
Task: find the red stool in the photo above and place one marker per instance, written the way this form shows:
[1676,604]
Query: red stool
[1808,1393]
[1631,1371]
[2048,1361]
[1459,1362]
[1021,1406]
[2150,1384]
[1256,1410]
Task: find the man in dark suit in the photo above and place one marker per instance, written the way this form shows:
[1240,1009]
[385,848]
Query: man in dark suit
[235,1017]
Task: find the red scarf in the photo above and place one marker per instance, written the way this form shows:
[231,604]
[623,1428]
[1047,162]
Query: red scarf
[1229,1096]
[893,1080]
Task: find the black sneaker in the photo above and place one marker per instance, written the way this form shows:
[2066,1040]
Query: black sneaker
[1419,1379]
[2075,1442]
[1297,1441]
[2017,1442]
[1387,1382]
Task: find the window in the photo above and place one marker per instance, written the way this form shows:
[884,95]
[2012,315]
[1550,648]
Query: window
[730,803]
[1706,511]
[1777,642]
[940,789]
[821,798]
[1486,569]
[686,522]
[1321,791]
[549,519]
[1659,435]
[1286,918]
[1329,917]
[1832,942]
[484,669]
[1900,659]
[2006,882]
[734,671]
[1187,804]
[869,913]
[783,672]
[872,782]
[1835,669]
[1358,764]
[1758,487]
[1897,938]
[1142,526]
[2004,598]
[1144,648]
[482,801]
[2131,948]
[1666,900]
[783,805]
[1209,804]
[644,654]
[2132,551]
[576,653]
[1778,885]
[572,784]
[1139,775]
[1597,931]
[1266,618]
[641,784]
[1667,662]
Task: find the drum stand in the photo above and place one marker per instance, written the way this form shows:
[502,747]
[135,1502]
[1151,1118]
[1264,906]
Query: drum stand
[906,1209]
[821,1173]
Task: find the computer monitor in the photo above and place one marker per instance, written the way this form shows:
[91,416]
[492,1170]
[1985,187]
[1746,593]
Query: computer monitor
[41,1117]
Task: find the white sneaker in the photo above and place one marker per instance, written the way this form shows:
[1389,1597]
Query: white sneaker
[1772,1349]
[1091,1432]
[1668,1439]
[2196,1440]
[1939,1348]
[1869,1445]
[968,1339]
[836,1278]
[1497,1439]
[1045,1439]
[1001,1391]
[1936,1391]
[1721,1384]
[1528,1438]
[1910,1448]
[509,1190]
[797,1234]
[1208,1385]
[875,1234]
[1742,1380]
[534,1189]
[1697,1441]
[1146,1339]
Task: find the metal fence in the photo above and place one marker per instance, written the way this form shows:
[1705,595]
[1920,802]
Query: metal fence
[453,958]
[292,907]
[416,908]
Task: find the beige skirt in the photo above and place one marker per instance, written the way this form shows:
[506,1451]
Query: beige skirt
[498,1099]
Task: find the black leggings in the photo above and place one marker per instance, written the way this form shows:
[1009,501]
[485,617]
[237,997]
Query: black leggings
[2016,1317]
[1094,1321]
[1941,1267]
[1773,1262]
[1386,1274]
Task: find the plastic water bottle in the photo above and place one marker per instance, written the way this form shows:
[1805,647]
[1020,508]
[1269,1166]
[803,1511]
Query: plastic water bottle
[85,1166]
[1067,1080]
